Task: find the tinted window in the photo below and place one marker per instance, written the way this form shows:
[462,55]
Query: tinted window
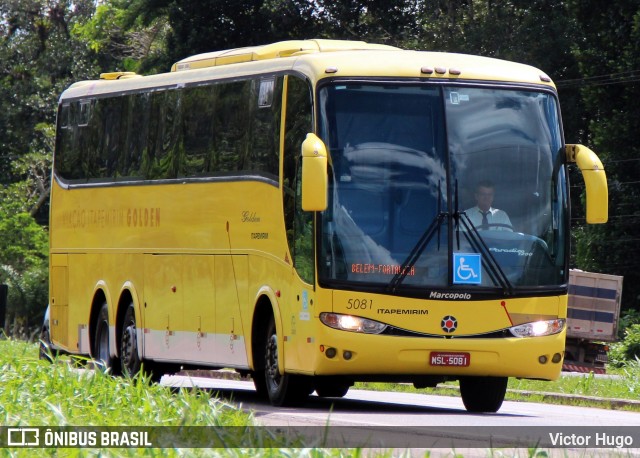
[221,129]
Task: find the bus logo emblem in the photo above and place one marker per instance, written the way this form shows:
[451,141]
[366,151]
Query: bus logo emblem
[449,324]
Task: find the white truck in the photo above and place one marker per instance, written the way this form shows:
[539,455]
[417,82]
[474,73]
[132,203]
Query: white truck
[592,320]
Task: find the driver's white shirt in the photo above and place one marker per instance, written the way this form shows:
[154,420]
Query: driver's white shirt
[494,216]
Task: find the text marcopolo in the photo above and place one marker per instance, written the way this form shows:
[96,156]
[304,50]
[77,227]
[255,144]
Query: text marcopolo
[450,296]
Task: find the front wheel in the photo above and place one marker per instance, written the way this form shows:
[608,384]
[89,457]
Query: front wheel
[483,394]
[282,389]
[331,387]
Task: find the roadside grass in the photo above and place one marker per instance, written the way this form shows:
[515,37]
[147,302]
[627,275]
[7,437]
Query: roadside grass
[624,384]
[37,393]
[586,390]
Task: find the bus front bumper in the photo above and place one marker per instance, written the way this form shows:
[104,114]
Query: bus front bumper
[349,353]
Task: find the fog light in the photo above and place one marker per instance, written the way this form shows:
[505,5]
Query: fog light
[556,358]
[331,352]
[543,359]
[347,355]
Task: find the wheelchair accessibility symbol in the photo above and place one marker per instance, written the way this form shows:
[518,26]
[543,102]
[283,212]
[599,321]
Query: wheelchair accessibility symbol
[467,268]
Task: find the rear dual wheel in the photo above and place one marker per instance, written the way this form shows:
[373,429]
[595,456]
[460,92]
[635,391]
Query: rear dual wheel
[102,354]
[129,355]
[130,362]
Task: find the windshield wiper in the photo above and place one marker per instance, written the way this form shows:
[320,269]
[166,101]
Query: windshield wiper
[497,275]
[494,270]
[419,247]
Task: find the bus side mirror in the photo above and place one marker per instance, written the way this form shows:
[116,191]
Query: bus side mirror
[595,180]
[314,174]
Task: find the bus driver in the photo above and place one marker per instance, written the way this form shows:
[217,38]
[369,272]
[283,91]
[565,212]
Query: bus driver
[483,216]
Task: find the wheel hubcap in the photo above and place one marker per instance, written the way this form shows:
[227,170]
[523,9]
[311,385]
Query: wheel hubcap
[129,345]
[273,374]
[103,350]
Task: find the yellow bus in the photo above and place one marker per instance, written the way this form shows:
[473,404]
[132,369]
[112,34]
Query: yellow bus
[304,213]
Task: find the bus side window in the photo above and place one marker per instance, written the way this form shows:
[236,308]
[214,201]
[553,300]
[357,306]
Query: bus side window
[299,224]
[266,113]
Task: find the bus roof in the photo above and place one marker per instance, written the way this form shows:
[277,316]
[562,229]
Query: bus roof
[318,59]
[273,51]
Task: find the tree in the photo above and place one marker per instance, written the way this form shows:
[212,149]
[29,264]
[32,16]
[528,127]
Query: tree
[198,27]
[40,57]
[609,56]
[391,22]
[222,24]
[125,38]
[24,242]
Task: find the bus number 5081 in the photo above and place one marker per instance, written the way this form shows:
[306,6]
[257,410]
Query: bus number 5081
[359,304]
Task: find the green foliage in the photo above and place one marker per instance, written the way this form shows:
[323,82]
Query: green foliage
[607,50]
[39,59]
[628,349]
[24,267]
[121,40]
[220,24]
[37,393]
[23,242]
[628,318]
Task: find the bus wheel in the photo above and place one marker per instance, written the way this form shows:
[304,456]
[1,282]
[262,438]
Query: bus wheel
[483,394]
[101,344]
[260,382]
[331,388]
[283,389]
[46,352]
[129,345]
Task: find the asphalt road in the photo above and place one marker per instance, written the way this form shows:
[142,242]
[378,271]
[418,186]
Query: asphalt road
[409,420]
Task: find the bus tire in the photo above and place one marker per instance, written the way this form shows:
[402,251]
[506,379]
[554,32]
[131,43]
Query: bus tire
[260,382]
[282,389]
[129,357]
[483,394]
[331,387]
[46,351]
[102,356]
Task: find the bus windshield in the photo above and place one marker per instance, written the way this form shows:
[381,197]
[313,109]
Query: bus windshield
[435,186]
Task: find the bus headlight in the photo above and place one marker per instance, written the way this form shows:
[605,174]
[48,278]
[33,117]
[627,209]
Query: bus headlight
[538,328]
[352,323]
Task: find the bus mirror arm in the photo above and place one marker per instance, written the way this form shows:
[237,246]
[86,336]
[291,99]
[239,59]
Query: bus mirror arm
[314,174]
[595,180]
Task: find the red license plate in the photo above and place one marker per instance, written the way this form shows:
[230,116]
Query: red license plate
[441,358]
